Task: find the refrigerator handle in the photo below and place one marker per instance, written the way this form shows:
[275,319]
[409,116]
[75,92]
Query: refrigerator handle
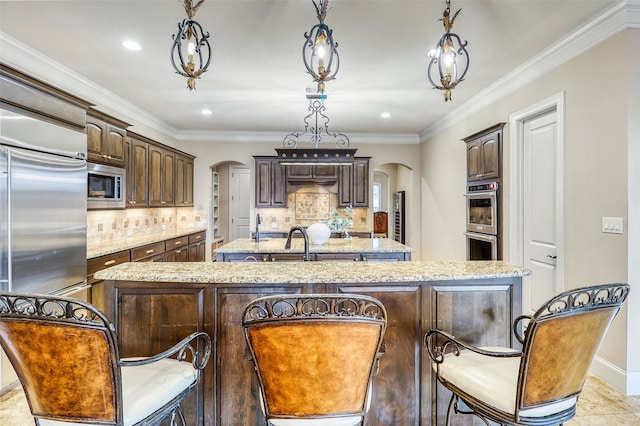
[4,219]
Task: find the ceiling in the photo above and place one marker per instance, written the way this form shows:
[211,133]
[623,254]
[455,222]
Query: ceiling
[257,79]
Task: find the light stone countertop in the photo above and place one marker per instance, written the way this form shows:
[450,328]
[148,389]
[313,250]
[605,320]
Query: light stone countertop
[309,272]
[334,245]
[119,244]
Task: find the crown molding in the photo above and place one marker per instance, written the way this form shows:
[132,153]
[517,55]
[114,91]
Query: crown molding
[271,137]
[624,14]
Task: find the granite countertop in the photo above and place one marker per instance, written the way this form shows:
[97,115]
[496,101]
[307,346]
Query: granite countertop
[334,245]
[309,272]
[118,244]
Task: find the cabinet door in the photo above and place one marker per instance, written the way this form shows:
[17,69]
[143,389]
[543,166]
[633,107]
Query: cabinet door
[485,321]
[279,185]
[490,148]
[113,145]
[263,183]
[155,176]
[299,171]
[473,161]
[183,181]
[325,172]
[197,252]
[95,128]
[137,174]
[398,380]
[168,178]
[360,183]
[345,185]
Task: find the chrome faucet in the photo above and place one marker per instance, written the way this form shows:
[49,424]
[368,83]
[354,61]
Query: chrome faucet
[303,231]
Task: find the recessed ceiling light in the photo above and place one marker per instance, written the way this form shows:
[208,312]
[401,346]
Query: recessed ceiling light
[385,115]
[131,45]
[206,111]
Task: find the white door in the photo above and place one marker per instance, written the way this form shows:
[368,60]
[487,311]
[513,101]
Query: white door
[537,210]
[540,209]
[239,202]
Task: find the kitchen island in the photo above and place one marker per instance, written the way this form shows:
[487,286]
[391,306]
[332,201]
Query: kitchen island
[335,249]
[155,305]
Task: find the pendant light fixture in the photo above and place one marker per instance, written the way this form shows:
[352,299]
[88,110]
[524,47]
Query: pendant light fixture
[191,51]
[449,61]
[319,51]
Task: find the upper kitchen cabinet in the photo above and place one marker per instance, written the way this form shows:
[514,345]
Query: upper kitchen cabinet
[162,165]
[484,154]
[105,138]
[27,95]
[312,173]
[137,151]
[157,175]
[184,181]
[271,183]
[353,184]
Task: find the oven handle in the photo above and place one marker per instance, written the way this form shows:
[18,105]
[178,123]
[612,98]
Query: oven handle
[482,237]
[482,193]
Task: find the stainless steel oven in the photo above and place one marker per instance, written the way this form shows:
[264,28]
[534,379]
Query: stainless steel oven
[482,208]
[481,246]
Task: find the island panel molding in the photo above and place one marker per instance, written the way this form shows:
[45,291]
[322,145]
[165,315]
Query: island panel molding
[476,299]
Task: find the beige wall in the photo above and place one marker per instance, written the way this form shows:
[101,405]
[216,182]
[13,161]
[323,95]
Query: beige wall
[596,137]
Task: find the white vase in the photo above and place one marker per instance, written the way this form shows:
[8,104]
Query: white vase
[318,233]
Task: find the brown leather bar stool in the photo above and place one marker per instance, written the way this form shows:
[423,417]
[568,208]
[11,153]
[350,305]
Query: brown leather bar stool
[315,356]
[539,385]
[65,354]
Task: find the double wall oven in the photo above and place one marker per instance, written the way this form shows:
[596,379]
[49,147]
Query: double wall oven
[483,225]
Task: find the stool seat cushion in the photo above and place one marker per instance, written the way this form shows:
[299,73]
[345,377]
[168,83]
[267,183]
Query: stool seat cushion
[146,388]
[493,380]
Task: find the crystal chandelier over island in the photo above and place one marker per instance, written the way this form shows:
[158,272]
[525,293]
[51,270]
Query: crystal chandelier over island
[191,42]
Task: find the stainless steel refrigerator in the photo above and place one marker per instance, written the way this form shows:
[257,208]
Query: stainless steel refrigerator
[43,187]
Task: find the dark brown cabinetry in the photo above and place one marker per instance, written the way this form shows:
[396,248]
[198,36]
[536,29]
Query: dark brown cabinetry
[137,171]
[105,139]
[274,181]
[404,391]
[271,183]
[161,175]
[312,173]
[184,181]
[484,151]
[353,186]
[157,175]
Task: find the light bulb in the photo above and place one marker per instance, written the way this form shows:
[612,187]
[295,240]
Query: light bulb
[191,48]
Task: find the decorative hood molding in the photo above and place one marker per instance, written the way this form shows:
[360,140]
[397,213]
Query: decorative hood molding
[316,155]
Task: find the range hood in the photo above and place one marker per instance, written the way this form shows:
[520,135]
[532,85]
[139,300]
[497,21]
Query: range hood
[311,156]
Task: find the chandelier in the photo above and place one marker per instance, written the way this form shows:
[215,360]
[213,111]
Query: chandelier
[319,50]
[316,126]
[448,63]
[191,43]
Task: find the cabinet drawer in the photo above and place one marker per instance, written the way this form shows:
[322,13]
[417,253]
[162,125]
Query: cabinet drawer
[177,242]
[99,263]
[147,251]
[200,236]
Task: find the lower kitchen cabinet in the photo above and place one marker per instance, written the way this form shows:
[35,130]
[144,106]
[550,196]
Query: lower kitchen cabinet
[151,316]
[187,248]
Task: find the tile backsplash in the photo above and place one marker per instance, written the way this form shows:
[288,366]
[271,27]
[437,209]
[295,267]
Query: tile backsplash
[105,225]
[306,206]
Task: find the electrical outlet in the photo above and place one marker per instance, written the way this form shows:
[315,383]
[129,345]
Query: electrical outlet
[612,225]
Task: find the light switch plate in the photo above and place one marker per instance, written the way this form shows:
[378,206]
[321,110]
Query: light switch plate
[612,225]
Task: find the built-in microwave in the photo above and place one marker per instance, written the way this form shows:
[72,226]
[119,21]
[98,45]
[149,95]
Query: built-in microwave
[105,187]
[482,208]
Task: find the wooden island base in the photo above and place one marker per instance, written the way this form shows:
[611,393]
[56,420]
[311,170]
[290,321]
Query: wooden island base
[155,305]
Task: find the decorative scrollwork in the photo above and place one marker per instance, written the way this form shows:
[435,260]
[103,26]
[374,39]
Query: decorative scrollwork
[595,296]
[50,307]
[316,127]
[314,306]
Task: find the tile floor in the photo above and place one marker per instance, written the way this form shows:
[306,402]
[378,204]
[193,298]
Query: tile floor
[599,404]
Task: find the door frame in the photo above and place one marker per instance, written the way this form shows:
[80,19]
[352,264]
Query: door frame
[516,179]
[233,202]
